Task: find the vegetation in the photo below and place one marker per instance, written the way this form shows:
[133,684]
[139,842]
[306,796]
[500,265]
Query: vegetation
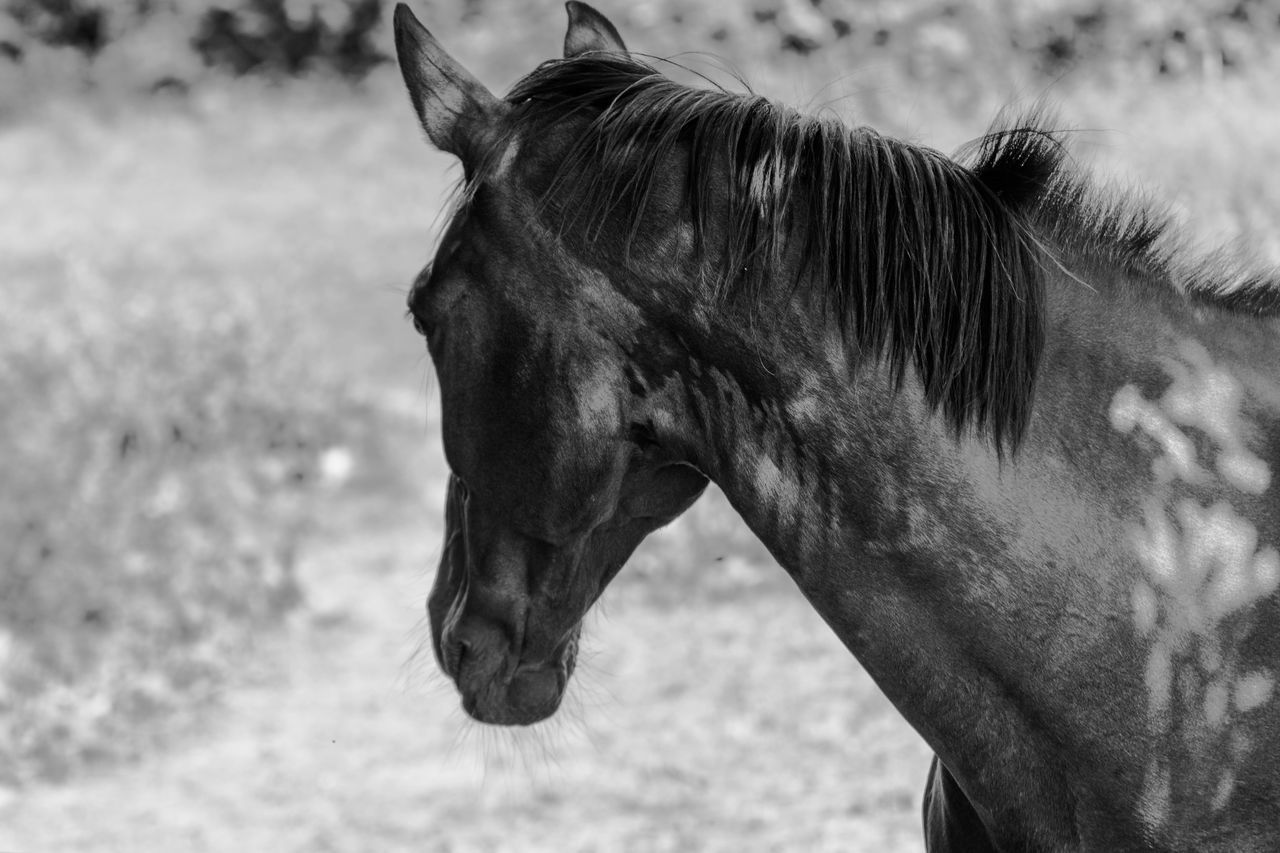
[1172,38]
[181,404]
[154,476]
[238,36]
[167,43]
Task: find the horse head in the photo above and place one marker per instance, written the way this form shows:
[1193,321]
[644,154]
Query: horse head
[552,409]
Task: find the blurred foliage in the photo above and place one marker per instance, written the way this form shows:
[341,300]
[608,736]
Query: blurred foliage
[1166,37]
[160,472]
[266,36]
[170,41]
[58,23]
[291,37]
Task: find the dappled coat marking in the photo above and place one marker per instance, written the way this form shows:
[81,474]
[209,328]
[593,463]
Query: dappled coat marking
[1204,566]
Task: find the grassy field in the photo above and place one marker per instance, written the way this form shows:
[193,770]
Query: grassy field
[221,505]
[198,321]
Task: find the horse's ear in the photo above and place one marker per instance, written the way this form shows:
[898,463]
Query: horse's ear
[589,31]
[455,108]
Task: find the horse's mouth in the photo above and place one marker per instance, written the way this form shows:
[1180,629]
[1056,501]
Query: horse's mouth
[529,693]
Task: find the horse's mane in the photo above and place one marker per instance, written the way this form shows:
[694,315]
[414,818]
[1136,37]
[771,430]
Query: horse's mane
[1116,227]
[921,259]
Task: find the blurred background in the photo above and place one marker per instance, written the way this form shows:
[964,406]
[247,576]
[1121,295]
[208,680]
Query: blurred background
[221,484]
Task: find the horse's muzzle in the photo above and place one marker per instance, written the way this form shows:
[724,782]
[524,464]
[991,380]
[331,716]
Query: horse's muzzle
[510,662]
[497,688]
[533,694]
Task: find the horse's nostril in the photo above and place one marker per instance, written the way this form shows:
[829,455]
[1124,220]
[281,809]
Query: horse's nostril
[451,659]
[474,649]
[462,649]
[461,644]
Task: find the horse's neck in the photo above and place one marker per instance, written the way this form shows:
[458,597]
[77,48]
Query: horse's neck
[894,532]
[840,467]
[985,596]
[835,469]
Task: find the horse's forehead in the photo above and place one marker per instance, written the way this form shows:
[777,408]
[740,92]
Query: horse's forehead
[541,321]
[529,298]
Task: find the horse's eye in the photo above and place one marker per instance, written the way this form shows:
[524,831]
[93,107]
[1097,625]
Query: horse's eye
[415,297]
[417,324]
[642,436]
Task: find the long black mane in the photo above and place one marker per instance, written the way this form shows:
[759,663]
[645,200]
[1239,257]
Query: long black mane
[921,259]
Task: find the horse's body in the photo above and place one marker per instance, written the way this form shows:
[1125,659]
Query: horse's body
[1021,465]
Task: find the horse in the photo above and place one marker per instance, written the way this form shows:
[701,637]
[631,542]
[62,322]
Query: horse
[1007,433]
